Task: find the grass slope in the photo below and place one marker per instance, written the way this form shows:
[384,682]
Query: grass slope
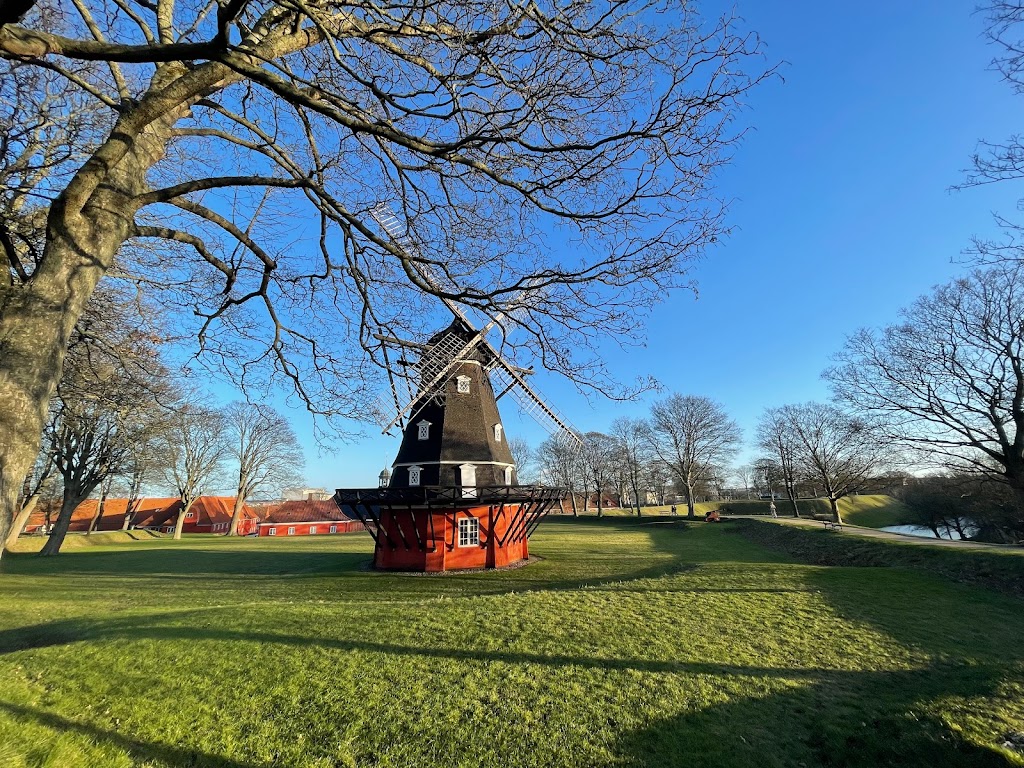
[629,644]
[874,511]
[871,511]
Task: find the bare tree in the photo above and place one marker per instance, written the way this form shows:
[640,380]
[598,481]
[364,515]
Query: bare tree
[523,456]
[109,385]
[89,444]
[1001,161]
[266,449]
[693,436]
[561,465]
[839,450]
[744,473]
[633,454]
[948,380]
[193,453]
[483,123]
[657,477]
[597,459]
[775,436]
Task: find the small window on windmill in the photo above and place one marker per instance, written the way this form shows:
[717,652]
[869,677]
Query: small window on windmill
[497,432]
[423,430]
[508,475]
[462,385]
[467,478]
[469,532]
[414,475]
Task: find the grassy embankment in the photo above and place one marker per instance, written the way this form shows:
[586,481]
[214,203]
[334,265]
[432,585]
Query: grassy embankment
[631,643]
[871,511]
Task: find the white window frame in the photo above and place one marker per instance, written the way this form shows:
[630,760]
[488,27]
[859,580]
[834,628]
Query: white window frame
[462,385]
[469,532]
[423,430]
[508,475]
[291,530]
[498,429]
[467,479]
[312,530]
[272,532]
[190,515]
[334,529]
[414,476]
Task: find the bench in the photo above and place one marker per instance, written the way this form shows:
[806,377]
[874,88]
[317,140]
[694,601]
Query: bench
[831,525]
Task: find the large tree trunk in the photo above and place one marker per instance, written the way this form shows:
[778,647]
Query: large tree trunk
[186,507]
[86,225]
[73,496]
[572,499]
[834,503]
[690,512]
[21,520]
[792,501]
[104,492]
[236,513]
[36,321]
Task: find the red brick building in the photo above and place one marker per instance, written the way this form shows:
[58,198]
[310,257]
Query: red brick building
[209,514]
[113,517]
[309,517]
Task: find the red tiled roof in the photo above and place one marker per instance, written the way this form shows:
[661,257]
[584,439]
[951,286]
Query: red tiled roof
[208,511]
[306,511]
[113,513]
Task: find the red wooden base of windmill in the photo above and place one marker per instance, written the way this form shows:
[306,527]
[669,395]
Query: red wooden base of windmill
[436,529]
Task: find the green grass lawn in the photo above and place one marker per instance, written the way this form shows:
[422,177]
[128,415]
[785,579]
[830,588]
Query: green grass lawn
[629,644]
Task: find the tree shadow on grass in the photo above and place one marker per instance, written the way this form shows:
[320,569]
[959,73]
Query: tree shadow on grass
[839,720]
[186,563]
[139,750]
[773,716]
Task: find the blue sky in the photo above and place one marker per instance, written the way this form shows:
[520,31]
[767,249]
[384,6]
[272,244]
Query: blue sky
[841,208]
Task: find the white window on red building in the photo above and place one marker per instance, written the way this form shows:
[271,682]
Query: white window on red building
[189,515]
[291,530]
[272,532]
[334,529]
[312,530]
[469,532]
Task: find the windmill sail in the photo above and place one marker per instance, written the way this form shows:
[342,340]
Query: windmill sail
[439,360]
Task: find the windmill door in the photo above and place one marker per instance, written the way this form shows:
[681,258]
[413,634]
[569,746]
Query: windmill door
[467,479]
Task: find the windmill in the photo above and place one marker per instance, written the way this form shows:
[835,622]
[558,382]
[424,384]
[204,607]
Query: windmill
[453,499]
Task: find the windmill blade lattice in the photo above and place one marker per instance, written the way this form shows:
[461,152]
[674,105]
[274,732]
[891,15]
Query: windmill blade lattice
[530,403]
[437,365]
